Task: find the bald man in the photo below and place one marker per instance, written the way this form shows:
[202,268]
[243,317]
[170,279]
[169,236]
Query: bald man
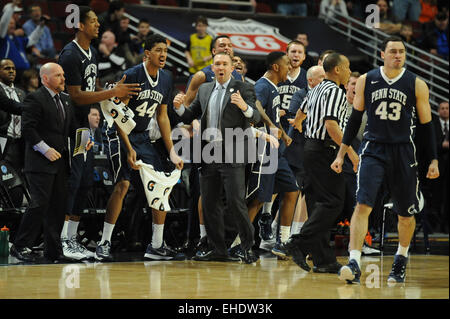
[47,122]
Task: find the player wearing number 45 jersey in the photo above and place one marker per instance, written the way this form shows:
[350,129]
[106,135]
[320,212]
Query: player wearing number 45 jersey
[391,96]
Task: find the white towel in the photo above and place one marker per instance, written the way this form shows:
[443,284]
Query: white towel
[157,185]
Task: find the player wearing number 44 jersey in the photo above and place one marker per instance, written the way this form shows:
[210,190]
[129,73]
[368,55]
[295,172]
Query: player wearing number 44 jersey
[150,141]
[391,96]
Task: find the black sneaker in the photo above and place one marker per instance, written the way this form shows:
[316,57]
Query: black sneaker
[22,253]
[332,268]
[162,253]
[236,252]
[350,272]
[281,251]
[398,272]
[103,252]
[265,227]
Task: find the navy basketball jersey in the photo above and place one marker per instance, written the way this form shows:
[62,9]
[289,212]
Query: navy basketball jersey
[154,92]
[267,93]
[391,107]
[286,90]
[80,69]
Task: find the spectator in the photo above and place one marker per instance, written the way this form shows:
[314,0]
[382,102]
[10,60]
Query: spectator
[407,35]
[292,7]
[30,81]
[13,46]
[112,61]
[198,49]
[335,5]
[387,20]
[429,10]
[44,47]
[310,56]
[435,39]
[137,41]
[124,36]
[10,126]
[407,10]
[110,20]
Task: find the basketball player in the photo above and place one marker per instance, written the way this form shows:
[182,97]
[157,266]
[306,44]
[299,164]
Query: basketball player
[296,80]
[150,140]
[391,96]
[79,61]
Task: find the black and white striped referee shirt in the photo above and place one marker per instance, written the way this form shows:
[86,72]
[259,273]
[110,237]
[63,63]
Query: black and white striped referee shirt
[325,101]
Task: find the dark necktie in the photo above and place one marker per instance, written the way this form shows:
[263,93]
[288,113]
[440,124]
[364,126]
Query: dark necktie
[446,131]
[59,108]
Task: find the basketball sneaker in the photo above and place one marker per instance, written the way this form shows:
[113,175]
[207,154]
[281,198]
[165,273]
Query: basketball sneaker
[367,250]
[350,272]
[103,252]
[267,244]
[265,227]
[70,251]
[398,272]
[281,251]
[162,253]
[236,252]
[80,248]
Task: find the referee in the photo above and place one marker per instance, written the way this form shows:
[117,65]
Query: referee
[325,110]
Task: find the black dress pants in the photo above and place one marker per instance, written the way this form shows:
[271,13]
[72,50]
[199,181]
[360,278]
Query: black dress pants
[215,178]
[328,188]
[47,207]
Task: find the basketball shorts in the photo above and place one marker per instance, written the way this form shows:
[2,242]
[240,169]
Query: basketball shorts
[396,165]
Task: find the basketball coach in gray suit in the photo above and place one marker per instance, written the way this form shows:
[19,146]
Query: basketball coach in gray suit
[224,105]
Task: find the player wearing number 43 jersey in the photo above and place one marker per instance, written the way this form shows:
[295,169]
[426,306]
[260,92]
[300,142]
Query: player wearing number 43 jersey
[391,96]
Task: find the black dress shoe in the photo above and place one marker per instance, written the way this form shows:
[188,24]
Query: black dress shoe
[211,255]
[22,253]
[332,268]
[249,257]
[297,255]
[58,259]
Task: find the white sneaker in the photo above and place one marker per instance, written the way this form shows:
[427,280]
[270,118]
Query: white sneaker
[80,248]
[268,244]
[367,250]
[69,251]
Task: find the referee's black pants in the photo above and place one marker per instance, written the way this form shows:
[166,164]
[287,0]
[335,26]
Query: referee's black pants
[328,190]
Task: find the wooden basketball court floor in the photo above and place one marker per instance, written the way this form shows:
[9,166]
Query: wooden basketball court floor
[269,278]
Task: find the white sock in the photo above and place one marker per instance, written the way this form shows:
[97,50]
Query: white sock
[64,230]
[267,208]
[236,242]
[72,228]
[202,231]
[296,227]
[157,236]
[285,232]
[274,225]
[402,250]
[356,255]
[107,232]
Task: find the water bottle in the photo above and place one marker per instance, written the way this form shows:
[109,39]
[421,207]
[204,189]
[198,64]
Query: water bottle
[4,242]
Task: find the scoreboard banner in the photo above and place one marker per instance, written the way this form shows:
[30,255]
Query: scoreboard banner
[249,36]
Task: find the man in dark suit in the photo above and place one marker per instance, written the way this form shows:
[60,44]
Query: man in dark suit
[12,144]
[223,105]
[47,121]
[440,185]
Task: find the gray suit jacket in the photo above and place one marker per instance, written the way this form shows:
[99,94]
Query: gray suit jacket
[238,141]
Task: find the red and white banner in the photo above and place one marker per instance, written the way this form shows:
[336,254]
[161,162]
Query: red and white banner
[249,36]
